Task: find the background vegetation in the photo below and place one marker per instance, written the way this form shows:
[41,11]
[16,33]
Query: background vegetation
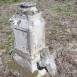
[8,1]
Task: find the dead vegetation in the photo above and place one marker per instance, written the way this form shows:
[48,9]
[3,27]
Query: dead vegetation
[61,34]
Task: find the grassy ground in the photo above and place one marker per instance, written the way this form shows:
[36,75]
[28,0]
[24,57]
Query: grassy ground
[6,39]
[61,35]
[8,1]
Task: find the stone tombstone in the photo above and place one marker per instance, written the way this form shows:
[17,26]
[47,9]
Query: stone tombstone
[29,33]
[29,45]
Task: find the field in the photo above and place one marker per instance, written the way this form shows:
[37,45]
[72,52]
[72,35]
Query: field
[61,36]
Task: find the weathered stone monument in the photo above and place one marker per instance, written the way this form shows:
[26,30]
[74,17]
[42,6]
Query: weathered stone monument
[29,45]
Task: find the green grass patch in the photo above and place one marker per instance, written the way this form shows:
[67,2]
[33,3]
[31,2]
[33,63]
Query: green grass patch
[8,1]
[1,27]
[42,76]
[8,32]
[10,44]
[68,9]
[67,0]
[2,46]
[57,8]
[12,65]
[1,20]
